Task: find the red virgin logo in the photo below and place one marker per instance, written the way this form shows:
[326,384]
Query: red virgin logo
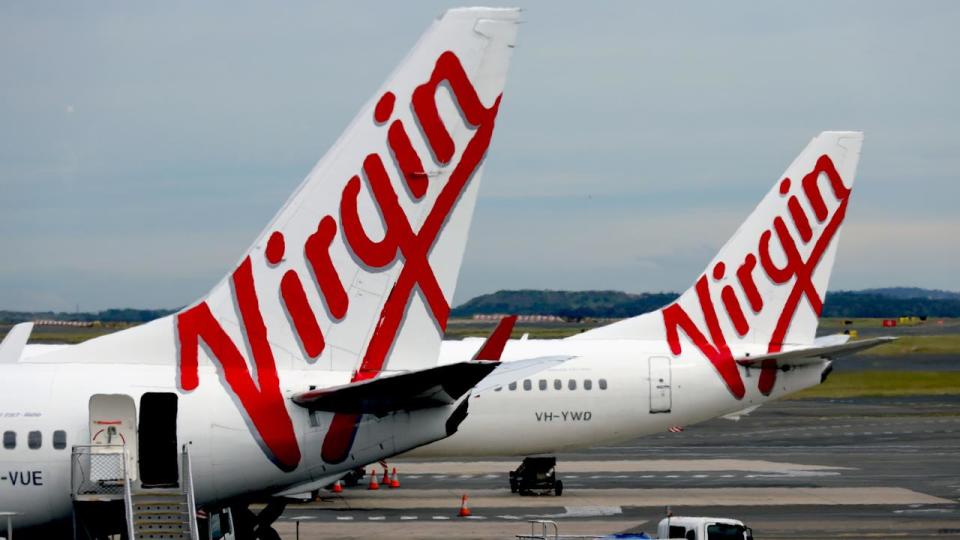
[261,401]
[796,273]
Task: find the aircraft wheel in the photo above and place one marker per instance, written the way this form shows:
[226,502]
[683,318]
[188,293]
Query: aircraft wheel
[558,488]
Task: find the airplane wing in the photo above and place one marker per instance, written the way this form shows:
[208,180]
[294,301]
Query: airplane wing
[15,341]
[410,390]
[507,372]
[831,348]
[425,388]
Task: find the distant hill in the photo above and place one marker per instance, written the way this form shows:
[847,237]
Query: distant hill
[913,293]
[572,304]
[885,302]
[888,302]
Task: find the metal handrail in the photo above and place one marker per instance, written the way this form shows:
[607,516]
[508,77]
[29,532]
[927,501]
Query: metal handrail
[128,506]
[187,473]
[82,480]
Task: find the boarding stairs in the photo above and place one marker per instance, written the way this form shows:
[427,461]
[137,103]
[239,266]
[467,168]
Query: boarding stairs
[107,501]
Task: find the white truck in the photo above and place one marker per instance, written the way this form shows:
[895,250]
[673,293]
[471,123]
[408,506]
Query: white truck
[703,528]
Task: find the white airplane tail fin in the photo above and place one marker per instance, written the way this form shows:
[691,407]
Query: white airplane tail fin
[357,270]
[767,284]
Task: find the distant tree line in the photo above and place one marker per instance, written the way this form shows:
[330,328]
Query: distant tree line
[126,315]
[574,305]
[615,304]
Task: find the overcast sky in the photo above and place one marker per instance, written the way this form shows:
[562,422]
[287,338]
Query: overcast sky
[143,147]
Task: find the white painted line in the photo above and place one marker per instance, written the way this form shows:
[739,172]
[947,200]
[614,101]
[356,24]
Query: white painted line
[344,518]
[440,518]
[509,517]
[407,518]
[377,518]
[413,476]
[476,517]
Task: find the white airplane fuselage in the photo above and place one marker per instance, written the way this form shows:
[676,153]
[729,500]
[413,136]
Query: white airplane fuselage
[634,402]
[45,398]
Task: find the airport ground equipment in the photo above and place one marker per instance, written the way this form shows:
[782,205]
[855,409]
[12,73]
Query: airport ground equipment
[550,530]
[107,497]
[536,475]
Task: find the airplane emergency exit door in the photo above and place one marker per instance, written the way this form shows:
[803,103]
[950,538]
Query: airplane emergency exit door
[661,396]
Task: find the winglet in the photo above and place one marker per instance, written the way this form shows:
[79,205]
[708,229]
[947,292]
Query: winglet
[13,344]
[492,348]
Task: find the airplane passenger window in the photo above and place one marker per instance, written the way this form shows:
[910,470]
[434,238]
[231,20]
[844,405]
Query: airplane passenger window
[572,384]
[587,384]
[34,440]
[9,440]
[543,384]
[59,439]
[497,389]
[557,384]
[512,386]
[527,385]
[603,384]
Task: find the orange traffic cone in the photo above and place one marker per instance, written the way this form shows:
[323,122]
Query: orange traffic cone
[386,477]
[394,481]
[373,485]
[464,511]
[338,487]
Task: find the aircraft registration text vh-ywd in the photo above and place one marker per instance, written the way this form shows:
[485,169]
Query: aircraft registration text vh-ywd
[273,381]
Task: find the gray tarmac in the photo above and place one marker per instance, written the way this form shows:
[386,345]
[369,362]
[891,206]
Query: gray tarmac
[854,468]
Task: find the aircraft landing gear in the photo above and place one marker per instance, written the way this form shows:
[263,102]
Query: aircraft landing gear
[250,526]
[536,475]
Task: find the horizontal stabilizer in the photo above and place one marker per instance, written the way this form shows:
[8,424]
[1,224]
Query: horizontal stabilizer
[13,344]
[411,390]
[811,355]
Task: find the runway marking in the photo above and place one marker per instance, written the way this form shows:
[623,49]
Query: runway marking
[509,517]
[344,518]
[408,518]
[642,497]
[440,518]
[377,518]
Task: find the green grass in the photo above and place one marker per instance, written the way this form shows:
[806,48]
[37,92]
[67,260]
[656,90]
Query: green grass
[907,345]
[885,383]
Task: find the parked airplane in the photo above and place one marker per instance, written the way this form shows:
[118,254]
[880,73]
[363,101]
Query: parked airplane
[316,354]
[744,334]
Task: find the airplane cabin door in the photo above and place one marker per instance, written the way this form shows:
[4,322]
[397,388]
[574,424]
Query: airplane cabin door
[113,425]
[159,455]
[661,395]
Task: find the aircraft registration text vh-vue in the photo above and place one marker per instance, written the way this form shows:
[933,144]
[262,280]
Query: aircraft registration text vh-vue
[321,351]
